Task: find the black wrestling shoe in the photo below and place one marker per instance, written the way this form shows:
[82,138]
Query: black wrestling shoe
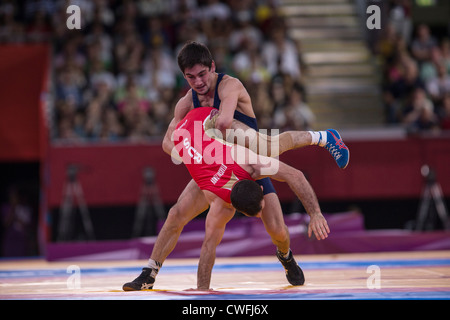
[145,281]
[294,273]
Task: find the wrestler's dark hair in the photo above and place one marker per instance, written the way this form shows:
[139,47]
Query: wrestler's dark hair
[246,197]
[194,53]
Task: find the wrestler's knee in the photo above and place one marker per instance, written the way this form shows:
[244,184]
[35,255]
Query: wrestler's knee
[175,218]
[278,231]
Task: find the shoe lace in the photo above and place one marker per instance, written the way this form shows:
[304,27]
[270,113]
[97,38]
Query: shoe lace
[335,152]
[145,274]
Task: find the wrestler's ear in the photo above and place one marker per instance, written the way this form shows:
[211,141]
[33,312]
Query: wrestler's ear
[263,204]
[213,67]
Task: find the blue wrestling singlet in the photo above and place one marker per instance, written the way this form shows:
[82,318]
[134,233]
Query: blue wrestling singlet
[266,183]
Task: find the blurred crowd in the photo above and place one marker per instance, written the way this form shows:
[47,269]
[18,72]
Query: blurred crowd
[416,72]
[116,78]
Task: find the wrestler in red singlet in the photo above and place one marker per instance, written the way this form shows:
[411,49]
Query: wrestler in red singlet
[209,161]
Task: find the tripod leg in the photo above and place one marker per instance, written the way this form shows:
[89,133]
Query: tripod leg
[64,225]
[85,217]
[440,205]
[157,204]
[423,210]
[140,216]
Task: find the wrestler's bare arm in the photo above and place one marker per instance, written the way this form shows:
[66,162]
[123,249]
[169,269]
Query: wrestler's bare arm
[260,167]
[181,109]
[231,92]
[219,214]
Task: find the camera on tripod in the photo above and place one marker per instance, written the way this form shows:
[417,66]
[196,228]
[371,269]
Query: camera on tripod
[432,193]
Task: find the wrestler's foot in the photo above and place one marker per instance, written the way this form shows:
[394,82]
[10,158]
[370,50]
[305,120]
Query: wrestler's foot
[144,281]
[337,148]
[294,273]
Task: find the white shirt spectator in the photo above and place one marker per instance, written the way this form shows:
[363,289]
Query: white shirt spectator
[284,60]
[280,54]
[215,9]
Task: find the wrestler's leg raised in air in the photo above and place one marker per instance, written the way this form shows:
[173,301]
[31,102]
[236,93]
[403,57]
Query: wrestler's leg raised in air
[274,145]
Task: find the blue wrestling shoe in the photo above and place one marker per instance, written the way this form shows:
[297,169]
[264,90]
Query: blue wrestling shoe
[337,148]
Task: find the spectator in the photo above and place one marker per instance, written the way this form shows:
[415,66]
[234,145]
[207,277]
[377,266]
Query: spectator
[444,113]
[395,69]
[189,30]
[39,30]
[139,40]
[297,115]
[97,74]
[140,128]
[153,8]
[400,90]
[419,114]
[423,44]
[400,18]
[243,32]
[222,57]
[47,7]
[70,84]
[161,111]
[248,64]
[183,12]
[280,54]
[78,130]
[102,14]
[159,71]
[67,131]
[266,14]
[133,106]
[101,100]
[156,33]
[11,30]
[215,20]
[93,125]
[429,69]
[445,51]
[129,53]
[16,218]
[71,52]
[215,9]
[262,105]
[100,44]
[386,47]
[278,95]
[112,129]
[65,114]
[439,86]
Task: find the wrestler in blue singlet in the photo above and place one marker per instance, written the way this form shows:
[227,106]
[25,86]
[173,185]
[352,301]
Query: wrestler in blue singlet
[266,183]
